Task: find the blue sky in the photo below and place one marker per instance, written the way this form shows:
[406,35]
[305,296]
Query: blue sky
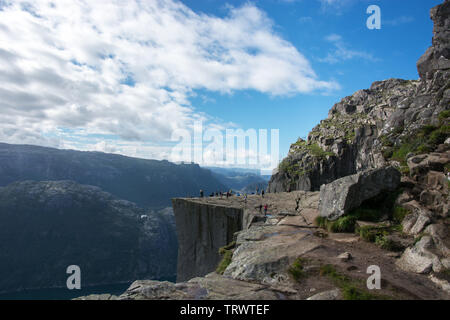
[132,77]
[404,36]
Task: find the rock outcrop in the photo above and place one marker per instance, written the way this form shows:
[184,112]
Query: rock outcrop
[437,57]
[362,130]
[285,256]
[344,194]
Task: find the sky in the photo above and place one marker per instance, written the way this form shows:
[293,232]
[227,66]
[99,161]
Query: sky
[134,77]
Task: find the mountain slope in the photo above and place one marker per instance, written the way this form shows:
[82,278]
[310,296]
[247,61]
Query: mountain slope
[387,122]
[148,183]
[47,226]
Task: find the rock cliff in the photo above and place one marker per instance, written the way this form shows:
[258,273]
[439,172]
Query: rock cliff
[202,230]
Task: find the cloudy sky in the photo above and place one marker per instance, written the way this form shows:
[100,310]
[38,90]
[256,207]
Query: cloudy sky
[123,76]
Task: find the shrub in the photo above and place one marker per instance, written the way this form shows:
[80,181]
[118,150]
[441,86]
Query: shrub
[399,213]
[343,224]
[385,243]
[387,153]
[226,260]
[297,269]
[444,115]
[317,151]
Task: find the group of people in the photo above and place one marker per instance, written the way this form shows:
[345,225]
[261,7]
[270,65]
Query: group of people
[217,194]
[230,193]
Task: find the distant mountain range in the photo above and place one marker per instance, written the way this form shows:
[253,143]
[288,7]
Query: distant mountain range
[240,179]
[148,183]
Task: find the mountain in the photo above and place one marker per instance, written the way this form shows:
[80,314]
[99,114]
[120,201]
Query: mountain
[390,121]
[240,179]
[148,183]
[47,226]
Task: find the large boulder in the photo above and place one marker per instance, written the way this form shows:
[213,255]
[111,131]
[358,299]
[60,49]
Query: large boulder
[345,194]
[437,57]
[420,258]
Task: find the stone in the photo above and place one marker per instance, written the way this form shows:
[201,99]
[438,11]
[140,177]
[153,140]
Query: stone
[440,235]
[257,260]
[209,287]
[105,296]
[416,222]
[345,194]
[440,283]
[334,294]
[437,56]
[344,257]
[419,258]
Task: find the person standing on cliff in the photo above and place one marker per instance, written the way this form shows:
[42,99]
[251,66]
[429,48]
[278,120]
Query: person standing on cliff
[262,193]
[201,193]
[265,209]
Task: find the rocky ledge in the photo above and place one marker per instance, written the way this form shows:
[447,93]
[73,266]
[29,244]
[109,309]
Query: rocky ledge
[286,255]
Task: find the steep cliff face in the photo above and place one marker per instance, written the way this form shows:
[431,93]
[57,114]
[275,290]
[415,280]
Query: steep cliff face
[202,230]
[362,130]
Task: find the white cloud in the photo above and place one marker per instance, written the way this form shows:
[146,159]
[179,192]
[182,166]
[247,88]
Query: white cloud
[79,73]
[341,52]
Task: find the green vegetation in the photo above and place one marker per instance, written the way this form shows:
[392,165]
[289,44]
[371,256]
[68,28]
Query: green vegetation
[386,141]
[425,140]
[317,151]
[227,254]
[399,213]
[292,169]
[351,289]
[297,269]
[343,224]
[380,236]
[444,115]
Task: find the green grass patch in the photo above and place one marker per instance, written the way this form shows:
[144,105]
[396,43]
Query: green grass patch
[297,269]
[351,289]
[343,224]
[425,140]
[444,115]
[318,152]
[227,254]
[379,236]
[399,213]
